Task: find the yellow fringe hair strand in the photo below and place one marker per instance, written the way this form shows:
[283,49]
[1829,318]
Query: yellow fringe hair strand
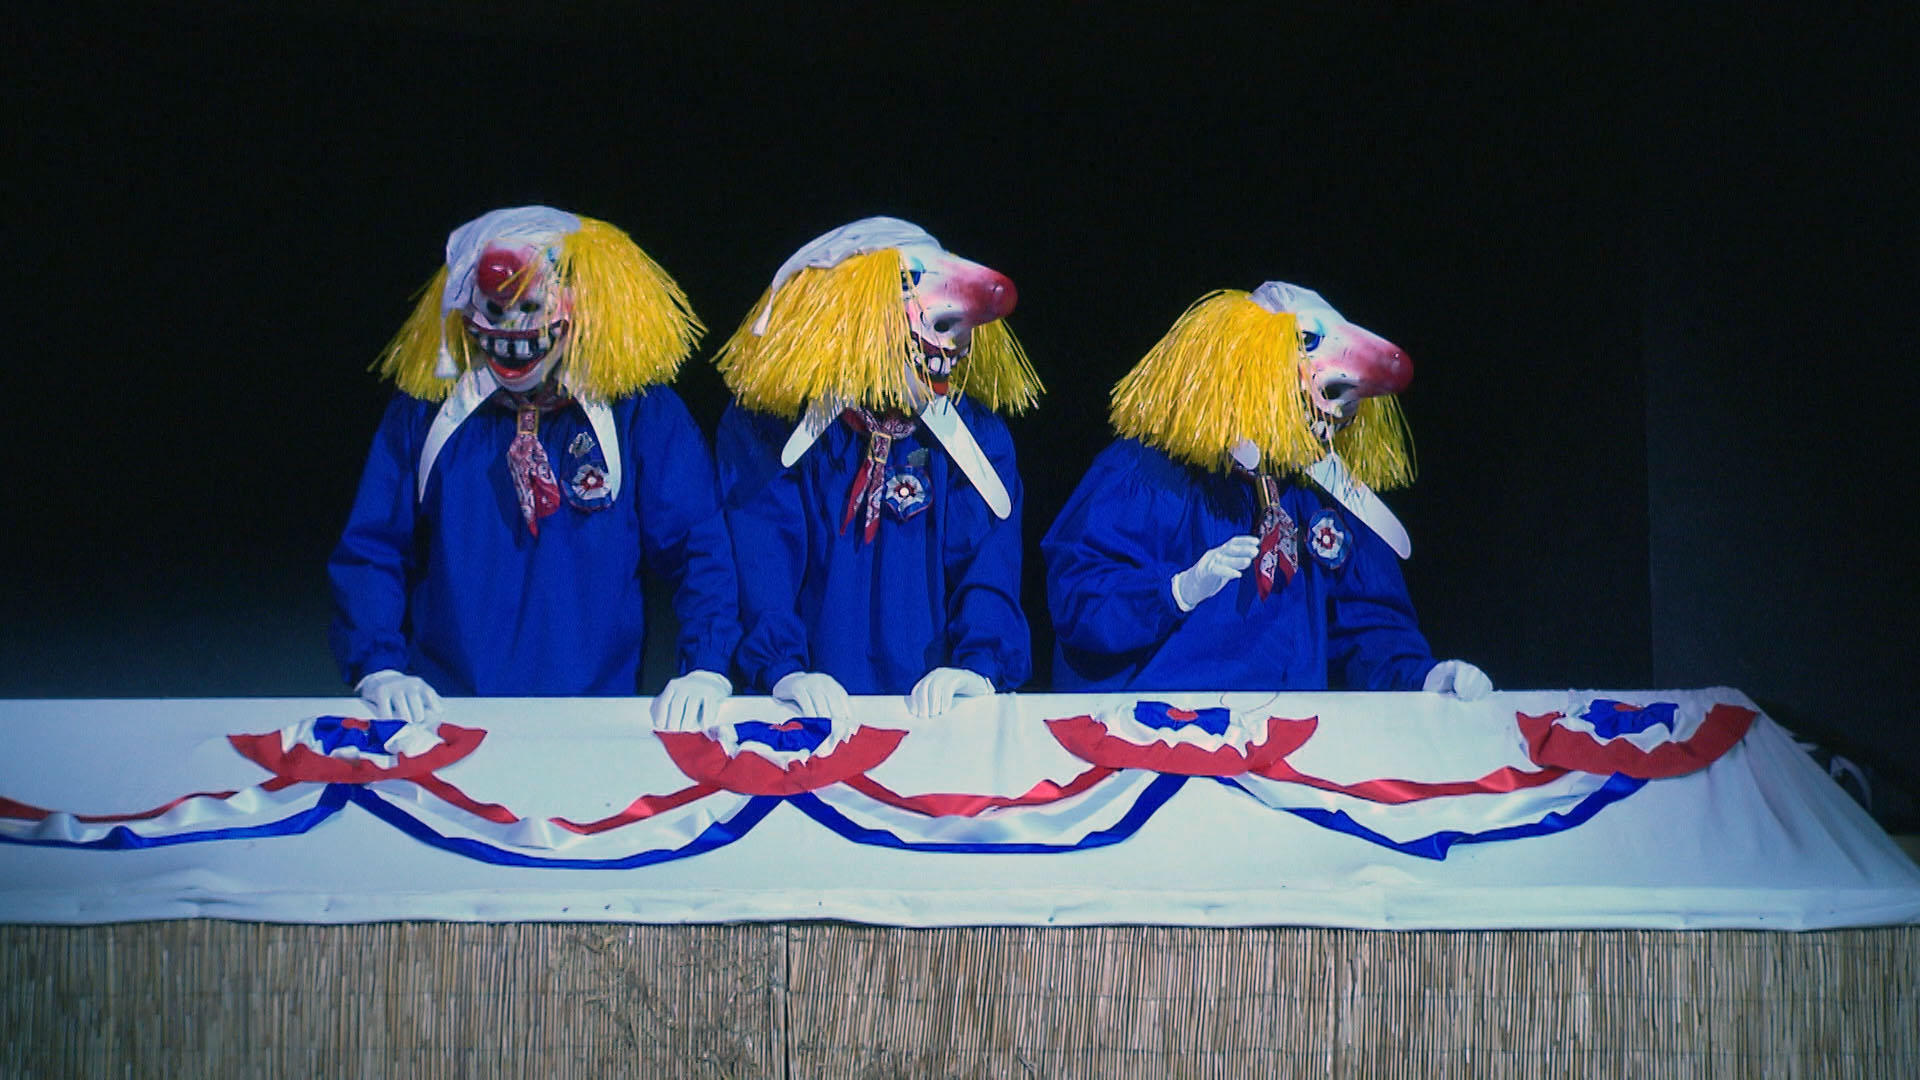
[632,325]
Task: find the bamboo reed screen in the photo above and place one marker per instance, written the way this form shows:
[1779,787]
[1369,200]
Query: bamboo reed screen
[210,998]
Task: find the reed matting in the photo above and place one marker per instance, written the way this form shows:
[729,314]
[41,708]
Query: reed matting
[209,998]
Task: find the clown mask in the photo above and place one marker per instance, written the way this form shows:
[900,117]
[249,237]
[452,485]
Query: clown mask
[517,314]
[946,297]
[1341,364]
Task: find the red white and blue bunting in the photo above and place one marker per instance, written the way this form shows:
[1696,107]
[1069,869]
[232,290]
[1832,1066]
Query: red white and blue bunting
[1681,808]
[1133,758]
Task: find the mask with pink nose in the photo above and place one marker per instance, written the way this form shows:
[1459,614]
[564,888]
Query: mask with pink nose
[876,316]
[946,297]
[1278,382]
[1341,364]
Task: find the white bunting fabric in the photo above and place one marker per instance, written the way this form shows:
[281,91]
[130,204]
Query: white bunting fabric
[1660,809]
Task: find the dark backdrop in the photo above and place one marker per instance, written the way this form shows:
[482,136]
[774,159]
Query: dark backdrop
[1654,270]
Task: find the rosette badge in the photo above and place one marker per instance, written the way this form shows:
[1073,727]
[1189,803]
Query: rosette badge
[1189,742]
[354,750]
[785,757]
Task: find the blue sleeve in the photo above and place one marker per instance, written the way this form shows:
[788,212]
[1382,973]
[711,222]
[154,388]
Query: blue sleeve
[683,534]
[987,630]
[1373,638]
[768,524]
[1109,586]
[372,565]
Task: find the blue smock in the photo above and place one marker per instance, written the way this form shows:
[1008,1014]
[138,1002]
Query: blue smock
[453,587]
[1139,517]
[938,589]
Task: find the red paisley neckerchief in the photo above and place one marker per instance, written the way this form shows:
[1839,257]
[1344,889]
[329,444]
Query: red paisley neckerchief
[870,479]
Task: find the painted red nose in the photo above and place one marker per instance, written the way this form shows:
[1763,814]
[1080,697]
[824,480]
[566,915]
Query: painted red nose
[1377,365]
[998,294]
[1396,370]
[499,273]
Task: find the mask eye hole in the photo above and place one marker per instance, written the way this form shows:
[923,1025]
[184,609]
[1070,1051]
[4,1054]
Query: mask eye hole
[1309,339]
[913,276]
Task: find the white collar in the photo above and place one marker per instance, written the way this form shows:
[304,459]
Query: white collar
[473,389]
[937,416]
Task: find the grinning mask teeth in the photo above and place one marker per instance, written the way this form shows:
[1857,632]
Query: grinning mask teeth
[946,297]
[517,315]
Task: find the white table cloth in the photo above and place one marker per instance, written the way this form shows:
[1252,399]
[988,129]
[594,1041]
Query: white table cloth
[1322,809]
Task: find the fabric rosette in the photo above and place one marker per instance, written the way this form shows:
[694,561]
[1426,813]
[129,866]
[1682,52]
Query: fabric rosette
[757,757]
[354,750]
[1163,738]
[1649,742]
[319,765]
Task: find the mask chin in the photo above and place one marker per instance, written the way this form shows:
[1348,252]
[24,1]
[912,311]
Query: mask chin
[521,380]
[936,366]
[1325,425]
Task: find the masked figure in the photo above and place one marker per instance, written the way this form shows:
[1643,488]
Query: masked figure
[532,466]
[879,539]
[1231,539]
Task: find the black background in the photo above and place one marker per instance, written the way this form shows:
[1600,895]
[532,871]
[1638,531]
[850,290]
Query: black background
[1656,270]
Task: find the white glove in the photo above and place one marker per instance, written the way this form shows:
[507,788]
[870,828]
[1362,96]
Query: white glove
[398,695]
[815,693]
[1211,574]
[691,701]
[1459,678]
[935,691]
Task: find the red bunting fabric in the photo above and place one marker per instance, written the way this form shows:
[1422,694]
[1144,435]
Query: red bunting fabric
[1553,745]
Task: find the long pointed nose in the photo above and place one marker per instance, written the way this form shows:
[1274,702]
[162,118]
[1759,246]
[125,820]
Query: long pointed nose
[998,296]
[1396,369]
[1376,364]
[981,293]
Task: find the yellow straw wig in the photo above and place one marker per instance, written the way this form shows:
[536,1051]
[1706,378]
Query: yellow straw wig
[1377,446]
[1229,370]
[841,333]
[632,326]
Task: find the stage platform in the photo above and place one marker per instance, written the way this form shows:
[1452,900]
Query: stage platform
[1729,913]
